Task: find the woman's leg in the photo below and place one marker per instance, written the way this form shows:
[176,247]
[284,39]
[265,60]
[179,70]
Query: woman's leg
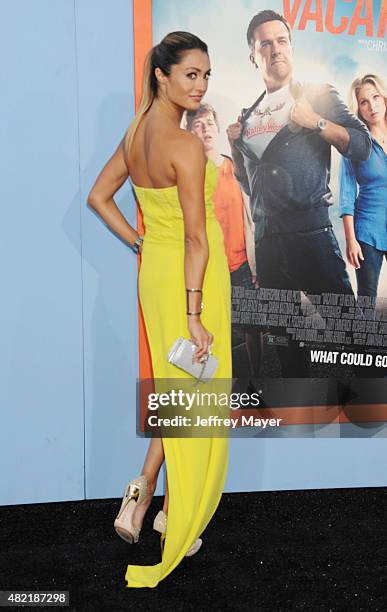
[166,496]
[368,274]
[152,464]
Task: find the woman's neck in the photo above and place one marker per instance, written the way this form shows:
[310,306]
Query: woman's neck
[379,130]
[165,108]
[379,133]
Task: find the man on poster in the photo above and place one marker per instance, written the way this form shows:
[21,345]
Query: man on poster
[281,147]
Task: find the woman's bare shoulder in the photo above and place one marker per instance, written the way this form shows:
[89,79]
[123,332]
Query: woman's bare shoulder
[188,148]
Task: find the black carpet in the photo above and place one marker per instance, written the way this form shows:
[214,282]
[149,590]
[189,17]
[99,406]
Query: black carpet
[288,550]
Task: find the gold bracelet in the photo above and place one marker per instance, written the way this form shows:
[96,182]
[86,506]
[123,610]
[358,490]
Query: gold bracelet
[188,291]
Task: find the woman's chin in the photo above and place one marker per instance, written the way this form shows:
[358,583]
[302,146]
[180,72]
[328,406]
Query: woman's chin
[193,105]
[374,120]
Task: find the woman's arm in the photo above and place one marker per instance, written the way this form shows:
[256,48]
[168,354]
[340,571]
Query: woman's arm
[111,178]
[348,187]
[348,194]
[353,250]
[189,163]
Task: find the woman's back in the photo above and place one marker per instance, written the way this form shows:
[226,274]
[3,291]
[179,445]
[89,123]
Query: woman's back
[163,216]
[155,147]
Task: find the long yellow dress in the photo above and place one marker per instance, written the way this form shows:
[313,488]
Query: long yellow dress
[196,467]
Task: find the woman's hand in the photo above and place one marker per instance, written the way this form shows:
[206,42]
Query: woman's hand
[354,253]
[254,281]
[200,336]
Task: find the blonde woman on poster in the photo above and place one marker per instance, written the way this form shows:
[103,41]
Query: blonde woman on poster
[363,188]
[183,263]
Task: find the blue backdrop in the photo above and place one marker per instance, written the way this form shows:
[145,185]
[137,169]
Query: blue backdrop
[69,357]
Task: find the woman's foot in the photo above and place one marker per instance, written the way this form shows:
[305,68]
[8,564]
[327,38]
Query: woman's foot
[140,510]
[137,497]
[160,525]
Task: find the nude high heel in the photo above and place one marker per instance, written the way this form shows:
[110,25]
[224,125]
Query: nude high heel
[136,492]
[160,525]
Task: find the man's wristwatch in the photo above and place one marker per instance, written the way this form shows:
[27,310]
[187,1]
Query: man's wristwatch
[137,244]
[321,124]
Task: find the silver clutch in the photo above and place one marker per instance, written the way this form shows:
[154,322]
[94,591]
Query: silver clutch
[181,354]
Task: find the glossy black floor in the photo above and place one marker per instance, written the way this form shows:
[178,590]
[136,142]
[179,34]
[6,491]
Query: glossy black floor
[297,550]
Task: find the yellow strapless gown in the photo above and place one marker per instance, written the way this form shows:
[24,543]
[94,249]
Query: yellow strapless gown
[196,467]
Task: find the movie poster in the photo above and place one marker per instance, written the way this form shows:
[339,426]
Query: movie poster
[303,205]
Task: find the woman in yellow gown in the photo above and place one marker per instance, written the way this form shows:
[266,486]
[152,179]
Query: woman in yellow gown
[182,249]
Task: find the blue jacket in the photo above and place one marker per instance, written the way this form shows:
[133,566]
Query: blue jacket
[289,186]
